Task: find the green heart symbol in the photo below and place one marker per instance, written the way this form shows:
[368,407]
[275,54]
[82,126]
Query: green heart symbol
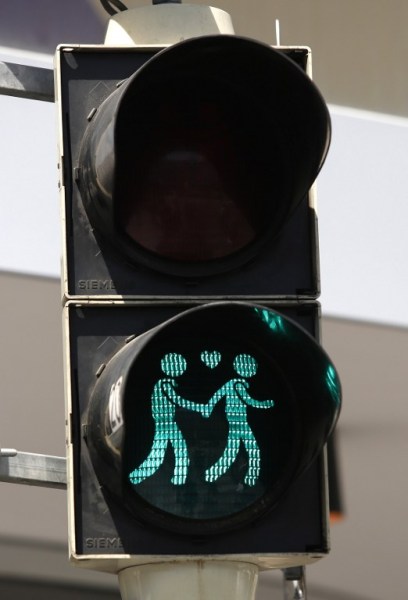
[211,359]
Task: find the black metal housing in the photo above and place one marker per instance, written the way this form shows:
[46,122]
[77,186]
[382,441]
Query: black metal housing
[282,260]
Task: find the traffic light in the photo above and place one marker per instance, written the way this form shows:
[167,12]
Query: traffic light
[198,400]
[203,433]
[194,167]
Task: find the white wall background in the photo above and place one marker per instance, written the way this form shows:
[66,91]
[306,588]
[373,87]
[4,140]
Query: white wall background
[362,199]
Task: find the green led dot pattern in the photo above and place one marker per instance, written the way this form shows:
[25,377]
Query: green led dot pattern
[217,410]
[164,401]
[237,397]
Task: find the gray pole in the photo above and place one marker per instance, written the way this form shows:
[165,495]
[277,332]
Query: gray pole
[294,584]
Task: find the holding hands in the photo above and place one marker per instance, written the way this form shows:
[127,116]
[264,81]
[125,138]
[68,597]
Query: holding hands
[165,398]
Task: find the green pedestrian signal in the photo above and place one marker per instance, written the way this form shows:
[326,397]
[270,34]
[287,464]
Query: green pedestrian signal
[214,427]
[235,392]
[164,402]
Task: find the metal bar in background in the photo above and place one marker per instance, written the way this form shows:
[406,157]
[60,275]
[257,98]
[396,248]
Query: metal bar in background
[33,469]
[23,81]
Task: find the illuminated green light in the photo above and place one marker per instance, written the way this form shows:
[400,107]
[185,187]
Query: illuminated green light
[333,384]
[164,401]
[273,320]
[236,397]
[210,418]
[211,359]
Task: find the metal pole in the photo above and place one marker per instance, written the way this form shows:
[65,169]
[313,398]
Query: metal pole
[294,583]
[33,469]
[192,580]
[34,83]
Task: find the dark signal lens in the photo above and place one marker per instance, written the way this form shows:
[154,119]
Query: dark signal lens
[196,161]
[192,194]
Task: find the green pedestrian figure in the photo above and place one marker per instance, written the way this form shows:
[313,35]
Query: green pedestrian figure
[167,432]
[237,399]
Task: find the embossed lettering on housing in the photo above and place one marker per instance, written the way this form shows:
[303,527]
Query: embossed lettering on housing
[96,284]
[103,542]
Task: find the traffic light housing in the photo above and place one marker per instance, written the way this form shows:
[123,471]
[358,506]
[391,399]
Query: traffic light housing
[190,262]
[196,122]
[117,355]
[146,427]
